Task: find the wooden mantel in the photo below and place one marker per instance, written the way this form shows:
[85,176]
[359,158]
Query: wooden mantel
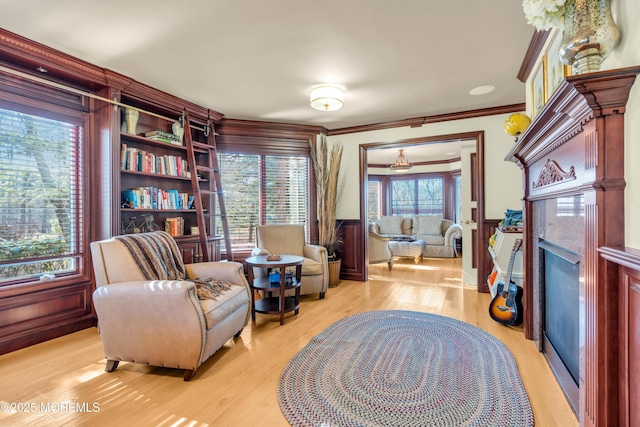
[575,148]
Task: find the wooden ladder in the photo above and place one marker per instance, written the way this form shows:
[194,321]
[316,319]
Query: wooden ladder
[211,171]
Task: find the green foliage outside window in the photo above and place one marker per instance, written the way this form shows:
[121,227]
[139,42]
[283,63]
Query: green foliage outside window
[39,202]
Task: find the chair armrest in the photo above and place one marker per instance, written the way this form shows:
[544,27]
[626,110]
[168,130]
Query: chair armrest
[229,271]
[376,236]
[259,251]
[453,232]
[315,252]
[143,320]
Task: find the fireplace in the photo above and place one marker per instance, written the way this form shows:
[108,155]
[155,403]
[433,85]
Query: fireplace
[560,274]
[572,158]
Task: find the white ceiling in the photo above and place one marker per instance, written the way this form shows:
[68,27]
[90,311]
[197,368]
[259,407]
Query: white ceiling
[258,60]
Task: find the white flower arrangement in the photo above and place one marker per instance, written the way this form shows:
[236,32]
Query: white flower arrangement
[544,14]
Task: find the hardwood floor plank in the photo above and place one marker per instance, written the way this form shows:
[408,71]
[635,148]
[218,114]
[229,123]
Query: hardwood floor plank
[238,385]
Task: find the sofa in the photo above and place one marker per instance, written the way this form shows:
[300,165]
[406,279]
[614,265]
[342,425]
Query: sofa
[439,234]
[163,322]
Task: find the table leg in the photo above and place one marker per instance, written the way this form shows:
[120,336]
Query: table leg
[253,293]
[298,278]
[281,300]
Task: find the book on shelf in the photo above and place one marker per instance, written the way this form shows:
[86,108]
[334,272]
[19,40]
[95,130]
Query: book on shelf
[174,226]
[154,198]
[163,136]
[136,160]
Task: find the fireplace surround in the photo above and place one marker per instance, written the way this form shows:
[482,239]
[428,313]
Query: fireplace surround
[572,161]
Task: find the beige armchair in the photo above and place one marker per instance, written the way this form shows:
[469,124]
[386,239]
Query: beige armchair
[162,322]
[379,250]
[289,239]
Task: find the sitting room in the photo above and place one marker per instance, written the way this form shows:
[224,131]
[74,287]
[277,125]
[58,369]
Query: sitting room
[216,213]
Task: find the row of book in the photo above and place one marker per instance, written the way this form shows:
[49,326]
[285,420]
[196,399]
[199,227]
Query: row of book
[160,135]
[156,198]
[133,159]
[174,226]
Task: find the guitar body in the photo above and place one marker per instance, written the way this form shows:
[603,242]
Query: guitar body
[506,306]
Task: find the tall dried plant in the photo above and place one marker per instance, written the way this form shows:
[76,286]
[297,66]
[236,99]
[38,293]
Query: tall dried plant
[326,167]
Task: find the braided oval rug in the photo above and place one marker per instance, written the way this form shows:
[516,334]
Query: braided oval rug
[403,368]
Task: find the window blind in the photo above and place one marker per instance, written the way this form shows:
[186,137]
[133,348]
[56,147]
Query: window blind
[40,196]
[261,190]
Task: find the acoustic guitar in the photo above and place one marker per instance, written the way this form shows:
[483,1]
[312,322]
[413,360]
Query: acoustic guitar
[506,306]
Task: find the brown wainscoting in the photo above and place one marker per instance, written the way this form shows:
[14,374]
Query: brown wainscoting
[624,268]
[33,317]
[352,253]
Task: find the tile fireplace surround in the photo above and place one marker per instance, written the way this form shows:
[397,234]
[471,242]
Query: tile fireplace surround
[572,159]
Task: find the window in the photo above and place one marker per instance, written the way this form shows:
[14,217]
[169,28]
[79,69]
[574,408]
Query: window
[261,190]
[374,198]
[457,198]
[41,207]
[417,196]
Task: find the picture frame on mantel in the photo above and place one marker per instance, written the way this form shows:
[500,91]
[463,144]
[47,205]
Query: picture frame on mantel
[555,70]
[538,88]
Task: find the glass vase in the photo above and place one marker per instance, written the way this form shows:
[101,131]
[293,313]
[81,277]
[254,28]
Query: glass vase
[590,34]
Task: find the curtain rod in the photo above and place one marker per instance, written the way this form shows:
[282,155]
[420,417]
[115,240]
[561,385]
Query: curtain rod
[94,96]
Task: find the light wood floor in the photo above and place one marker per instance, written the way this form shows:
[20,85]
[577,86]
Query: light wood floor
[237,386]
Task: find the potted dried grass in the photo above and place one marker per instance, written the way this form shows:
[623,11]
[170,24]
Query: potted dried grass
[326,167]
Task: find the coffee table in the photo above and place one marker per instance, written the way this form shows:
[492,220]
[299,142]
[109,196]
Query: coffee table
[408,248]
[279,304]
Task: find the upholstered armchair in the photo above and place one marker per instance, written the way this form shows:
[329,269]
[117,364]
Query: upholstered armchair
[163,322]
[289,239]
[379,250]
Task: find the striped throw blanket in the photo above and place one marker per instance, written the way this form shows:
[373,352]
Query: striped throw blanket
[159,258]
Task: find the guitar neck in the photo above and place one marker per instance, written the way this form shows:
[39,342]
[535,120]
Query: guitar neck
[514,251]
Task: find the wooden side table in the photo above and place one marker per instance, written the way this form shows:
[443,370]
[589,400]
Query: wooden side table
[280,304]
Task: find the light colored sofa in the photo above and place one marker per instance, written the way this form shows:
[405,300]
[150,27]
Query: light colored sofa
[162,322]
[379,250]
[439,234]
[289,239]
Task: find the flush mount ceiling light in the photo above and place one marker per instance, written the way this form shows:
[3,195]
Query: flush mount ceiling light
[482,90]
[401,164]
[326,98]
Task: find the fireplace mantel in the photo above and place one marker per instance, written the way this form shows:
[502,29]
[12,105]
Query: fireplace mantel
[574,148]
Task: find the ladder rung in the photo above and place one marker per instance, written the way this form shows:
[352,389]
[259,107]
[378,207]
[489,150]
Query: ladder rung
[202,145]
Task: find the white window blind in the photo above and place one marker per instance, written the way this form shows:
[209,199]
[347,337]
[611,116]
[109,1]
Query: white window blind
[40,196]
[261,190]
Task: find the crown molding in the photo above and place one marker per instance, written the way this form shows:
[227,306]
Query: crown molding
[420,121]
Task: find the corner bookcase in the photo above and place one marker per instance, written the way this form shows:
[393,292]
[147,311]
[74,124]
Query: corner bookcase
[155,189]
[501,252]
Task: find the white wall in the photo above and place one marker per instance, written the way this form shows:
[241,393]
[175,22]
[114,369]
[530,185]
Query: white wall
[627,54]
[503,180]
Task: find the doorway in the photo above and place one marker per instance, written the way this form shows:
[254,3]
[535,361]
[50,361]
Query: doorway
[474,246]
